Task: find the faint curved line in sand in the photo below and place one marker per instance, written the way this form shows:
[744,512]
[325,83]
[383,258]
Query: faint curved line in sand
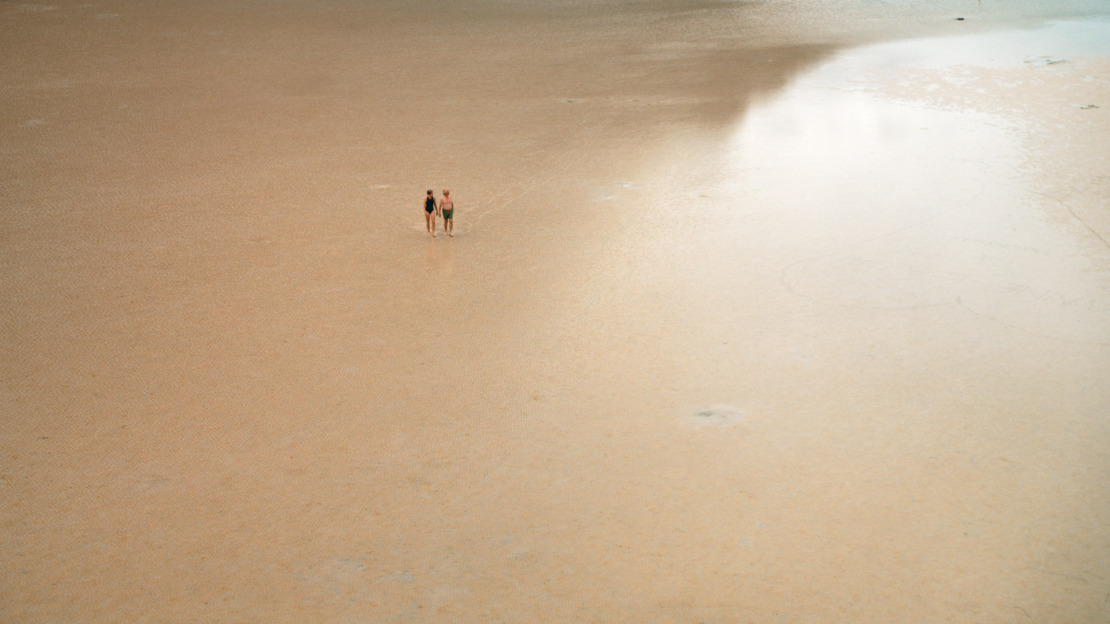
[1075,216]
[1063,203]
[532,182]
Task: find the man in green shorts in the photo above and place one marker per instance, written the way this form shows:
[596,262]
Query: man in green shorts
[447,207]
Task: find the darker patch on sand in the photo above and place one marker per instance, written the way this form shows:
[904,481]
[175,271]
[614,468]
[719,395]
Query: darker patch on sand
[717,415]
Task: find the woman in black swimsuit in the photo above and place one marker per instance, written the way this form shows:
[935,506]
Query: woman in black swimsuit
[430,209]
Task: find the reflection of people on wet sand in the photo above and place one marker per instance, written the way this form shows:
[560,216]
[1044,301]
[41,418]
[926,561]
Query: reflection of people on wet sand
[430,210]
[448,208]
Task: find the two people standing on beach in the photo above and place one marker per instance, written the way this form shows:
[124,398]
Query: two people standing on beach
[432,209]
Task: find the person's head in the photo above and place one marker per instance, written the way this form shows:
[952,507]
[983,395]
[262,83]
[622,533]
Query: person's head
[429,191]
[446,192]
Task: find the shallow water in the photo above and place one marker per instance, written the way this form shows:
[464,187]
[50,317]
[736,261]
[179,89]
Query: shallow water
[763,328]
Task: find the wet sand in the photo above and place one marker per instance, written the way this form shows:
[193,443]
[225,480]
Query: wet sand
[752,315]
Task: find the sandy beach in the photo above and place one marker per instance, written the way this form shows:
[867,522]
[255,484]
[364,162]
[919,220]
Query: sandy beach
[768,312]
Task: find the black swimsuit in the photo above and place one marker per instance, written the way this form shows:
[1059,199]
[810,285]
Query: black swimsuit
[429,204]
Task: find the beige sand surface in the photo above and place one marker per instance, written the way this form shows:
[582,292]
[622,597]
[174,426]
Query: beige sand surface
[755,313]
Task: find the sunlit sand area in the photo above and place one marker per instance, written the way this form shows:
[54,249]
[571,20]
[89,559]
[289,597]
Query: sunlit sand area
[755,312]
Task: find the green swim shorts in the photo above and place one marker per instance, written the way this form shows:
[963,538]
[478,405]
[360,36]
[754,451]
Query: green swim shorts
[448,214]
